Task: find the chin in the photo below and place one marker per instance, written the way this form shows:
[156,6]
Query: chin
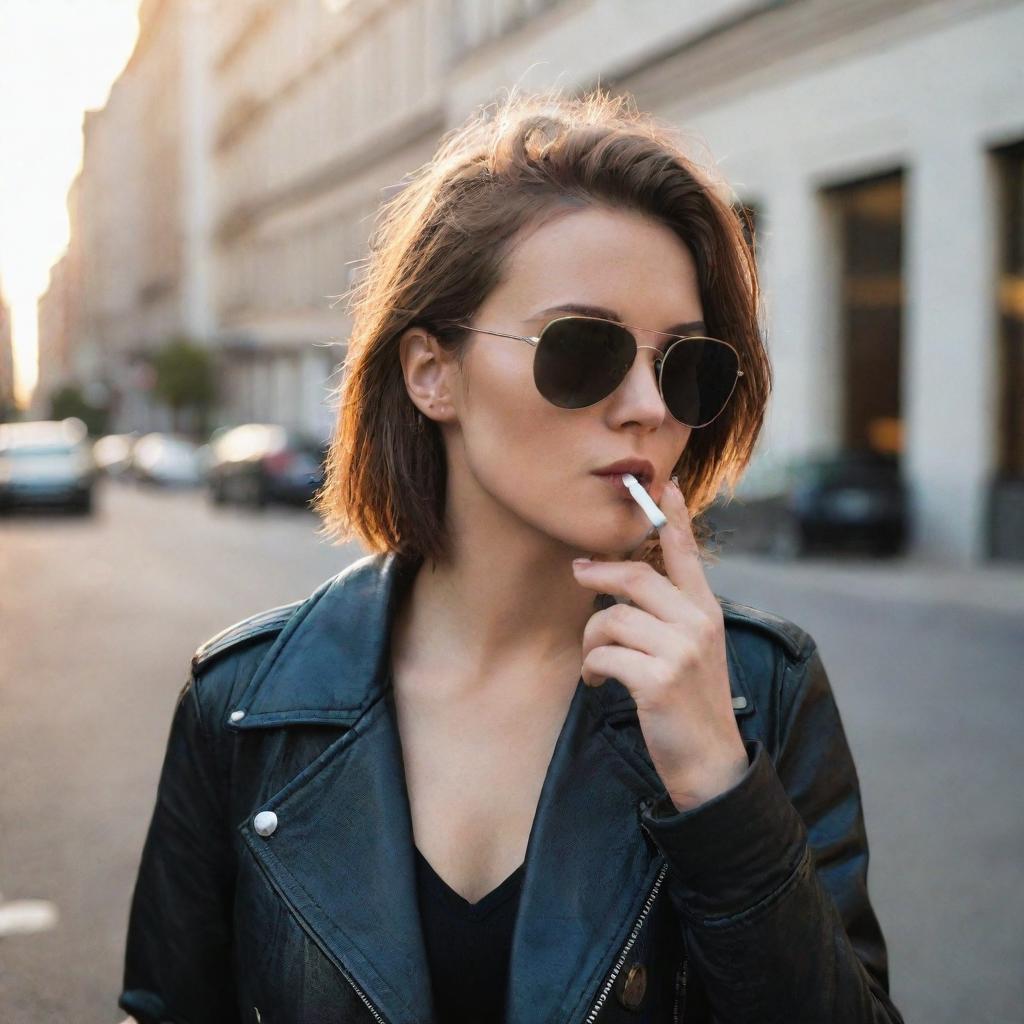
[612,547]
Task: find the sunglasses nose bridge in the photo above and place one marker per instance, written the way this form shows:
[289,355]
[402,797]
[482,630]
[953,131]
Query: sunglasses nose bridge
[653,348]
[657,361]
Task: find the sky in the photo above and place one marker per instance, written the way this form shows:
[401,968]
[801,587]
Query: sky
[58,58]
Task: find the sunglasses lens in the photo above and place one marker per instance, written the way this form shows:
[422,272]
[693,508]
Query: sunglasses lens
[698,378]
[581,361]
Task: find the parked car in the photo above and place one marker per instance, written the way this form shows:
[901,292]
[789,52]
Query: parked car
[46,463]
[820,502]
[165,460]
[851,498]
[113,453]
[258,463]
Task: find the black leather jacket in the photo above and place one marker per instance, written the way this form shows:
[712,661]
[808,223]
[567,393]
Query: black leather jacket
[277,879]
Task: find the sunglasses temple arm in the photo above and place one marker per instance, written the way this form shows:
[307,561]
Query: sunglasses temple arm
[500,334]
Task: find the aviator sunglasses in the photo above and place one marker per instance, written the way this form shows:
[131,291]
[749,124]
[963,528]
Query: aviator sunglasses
[580,360]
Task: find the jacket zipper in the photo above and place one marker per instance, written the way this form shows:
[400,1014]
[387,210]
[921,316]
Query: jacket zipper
[362,995]
[330,956]
[648,903]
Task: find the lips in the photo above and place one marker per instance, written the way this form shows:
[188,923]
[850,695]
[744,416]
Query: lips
[640,468]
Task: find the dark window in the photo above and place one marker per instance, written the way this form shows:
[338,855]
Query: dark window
[870,218]
[1010,298]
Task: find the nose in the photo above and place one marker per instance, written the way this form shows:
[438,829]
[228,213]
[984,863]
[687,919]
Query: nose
[639,393]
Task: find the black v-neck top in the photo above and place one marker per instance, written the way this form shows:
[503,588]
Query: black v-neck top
[468,945]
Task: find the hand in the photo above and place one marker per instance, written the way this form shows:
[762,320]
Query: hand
[669,652]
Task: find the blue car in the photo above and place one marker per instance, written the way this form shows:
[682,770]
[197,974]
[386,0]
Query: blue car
[46,463]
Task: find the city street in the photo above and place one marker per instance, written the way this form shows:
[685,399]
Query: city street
[98,619]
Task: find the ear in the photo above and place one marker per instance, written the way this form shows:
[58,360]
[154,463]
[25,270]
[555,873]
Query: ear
[430,371]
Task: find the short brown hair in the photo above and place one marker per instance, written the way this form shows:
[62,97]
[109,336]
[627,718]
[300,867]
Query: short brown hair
[438,248]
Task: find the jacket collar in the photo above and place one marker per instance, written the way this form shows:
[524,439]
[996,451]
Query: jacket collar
[589,866]
[329,663]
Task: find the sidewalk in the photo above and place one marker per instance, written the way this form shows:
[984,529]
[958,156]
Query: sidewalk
[992,588]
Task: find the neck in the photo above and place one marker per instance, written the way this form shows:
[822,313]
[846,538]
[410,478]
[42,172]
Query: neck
[499,604]
[498,614]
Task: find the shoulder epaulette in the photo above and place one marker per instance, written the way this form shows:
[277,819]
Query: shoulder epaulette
[255,626]
[795,639]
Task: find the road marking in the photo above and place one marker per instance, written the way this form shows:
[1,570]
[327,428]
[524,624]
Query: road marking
[24,917]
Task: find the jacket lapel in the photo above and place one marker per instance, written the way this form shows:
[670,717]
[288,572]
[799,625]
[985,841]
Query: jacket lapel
[342,854]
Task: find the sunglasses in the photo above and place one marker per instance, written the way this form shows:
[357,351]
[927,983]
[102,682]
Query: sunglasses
[580,360]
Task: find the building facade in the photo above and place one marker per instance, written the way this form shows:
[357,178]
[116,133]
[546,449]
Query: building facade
[887,193]
[139,241]
[61,311]
[319,108]
[886,190]
[875,174]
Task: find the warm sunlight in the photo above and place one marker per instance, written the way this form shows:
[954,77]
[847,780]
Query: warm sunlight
[58,58]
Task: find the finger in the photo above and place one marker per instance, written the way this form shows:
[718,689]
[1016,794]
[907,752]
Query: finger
[629,627]
[679,547]
[629,667]
[636,581]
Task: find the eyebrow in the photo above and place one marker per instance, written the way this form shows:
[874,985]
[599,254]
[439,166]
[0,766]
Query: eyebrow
[609,314]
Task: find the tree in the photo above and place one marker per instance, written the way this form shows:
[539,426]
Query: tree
[185,379]
[70,401]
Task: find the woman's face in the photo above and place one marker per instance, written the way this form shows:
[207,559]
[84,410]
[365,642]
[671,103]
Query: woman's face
[536,462]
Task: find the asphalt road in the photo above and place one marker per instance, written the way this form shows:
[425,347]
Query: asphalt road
[98,619]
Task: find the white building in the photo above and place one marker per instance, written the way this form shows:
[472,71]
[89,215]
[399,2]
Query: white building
[881,147]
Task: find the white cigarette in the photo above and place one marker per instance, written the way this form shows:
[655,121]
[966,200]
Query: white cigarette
[644,500]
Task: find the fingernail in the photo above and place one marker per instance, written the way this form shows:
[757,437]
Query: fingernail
[580,562]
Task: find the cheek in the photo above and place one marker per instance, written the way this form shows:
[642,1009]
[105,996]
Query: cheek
[535,461]
[514,437]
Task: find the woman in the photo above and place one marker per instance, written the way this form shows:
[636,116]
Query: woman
[468,779]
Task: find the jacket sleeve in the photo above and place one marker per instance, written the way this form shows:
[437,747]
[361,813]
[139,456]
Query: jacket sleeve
[769,878]
[177,963]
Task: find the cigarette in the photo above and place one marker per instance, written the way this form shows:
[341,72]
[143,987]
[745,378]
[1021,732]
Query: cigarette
[644,500]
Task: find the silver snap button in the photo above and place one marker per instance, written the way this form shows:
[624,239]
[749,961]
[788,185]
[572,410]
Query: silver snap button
[265,823]
[739,703]
[237,716]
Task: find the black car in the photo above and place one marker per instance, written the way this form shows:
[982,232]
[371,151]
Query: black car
[46,463]
[855,498]
[852,499]
[258,463]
